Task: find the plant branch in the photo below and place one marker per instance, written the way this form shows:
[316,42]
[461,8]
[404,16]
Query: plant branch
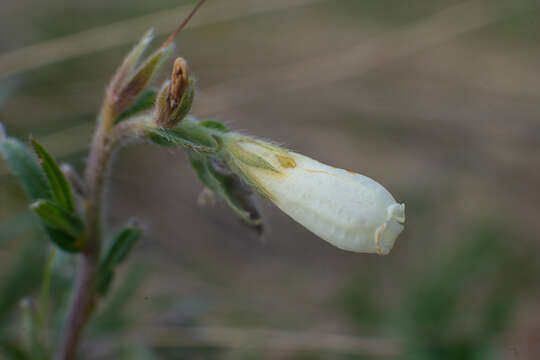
[107,139]
[85,297]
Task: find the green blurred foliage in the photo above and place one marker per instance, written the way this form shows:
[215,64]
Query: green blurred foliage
[458,306]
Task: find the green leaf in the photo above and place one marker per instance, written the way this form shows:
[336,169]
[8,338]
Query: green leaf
[104,281]
[24,166]
[145,102]
[64,240]
[115,255]
[58,218]
[122,245]
[60,189]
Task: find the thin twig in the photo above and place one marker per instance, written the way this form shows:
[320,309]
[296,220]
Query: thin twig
[182,25]
[81,308]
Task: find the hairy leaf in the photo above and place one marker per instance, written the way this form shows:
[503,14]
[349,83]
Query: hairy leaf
[115,255]
[60,220]
[24,166]
[60,189]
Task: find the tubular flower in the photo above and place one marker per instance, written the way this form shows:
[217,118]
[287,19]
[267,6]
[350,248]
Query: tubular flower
[349,210]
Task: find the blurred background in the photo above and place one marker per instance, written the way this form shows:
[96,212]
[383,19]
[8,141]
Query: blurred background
[437,100]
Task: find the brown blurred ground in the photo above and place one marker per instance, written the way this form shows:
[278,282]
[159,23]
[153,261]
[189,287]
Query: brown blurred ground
[437,100]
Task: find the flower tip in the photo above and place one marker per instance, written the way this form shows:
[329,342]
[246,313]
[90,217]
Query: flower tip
[387,233]
[397,212]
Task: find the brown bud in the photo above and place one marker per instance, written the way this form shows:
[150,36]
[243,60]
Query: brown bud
[179,81]
[174,99]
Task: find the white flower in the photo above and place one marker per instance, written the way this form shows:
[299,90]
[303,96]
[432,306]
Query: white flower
[349,210]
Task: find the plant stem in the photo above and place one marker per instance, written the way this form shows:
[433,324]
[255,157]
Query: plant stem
[107,138]
[85,297]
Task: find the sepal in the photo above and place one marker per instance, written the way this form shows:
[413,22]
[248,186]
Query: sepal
[130,62]
[228,186]
[175,97]
[188,133]
[145,102]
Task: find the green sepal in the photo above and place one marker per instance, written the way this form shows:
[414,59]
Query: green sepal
[187,133]
[184,107]
[145,102]
[141,77]
[120,247]
[227,186]
[25,167]
[130,61]
[168,118]
[58,218]
[215,125]
[59,186]
[249,158]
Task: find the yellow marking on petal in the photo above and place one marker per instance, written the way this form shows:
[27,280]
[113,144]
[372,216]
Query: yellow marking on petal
[318,172]
[286,162]
[378,234]
[344,178]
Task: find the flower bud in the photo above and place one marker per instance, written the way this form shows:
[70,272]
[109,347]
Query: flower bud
[349,210]
[175,98]
[179,81]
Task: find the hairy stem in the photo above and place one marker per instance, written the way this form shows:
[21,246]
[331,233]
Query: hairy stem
[85,297]
[106,140]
